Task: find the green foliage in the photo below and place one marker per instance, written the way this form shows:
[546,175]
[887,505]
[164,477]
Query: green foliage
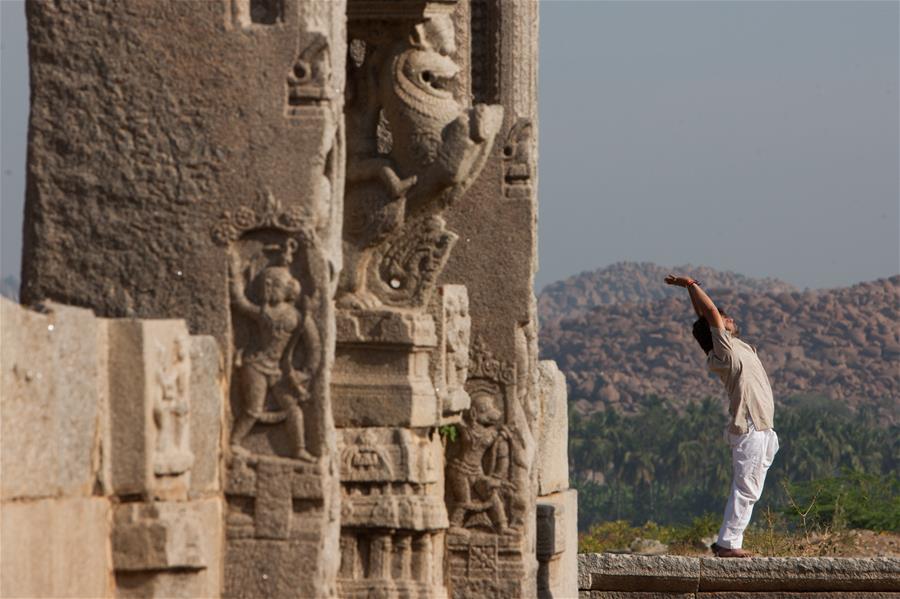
[852,500]
[448,432]
[668,466]
[618,534]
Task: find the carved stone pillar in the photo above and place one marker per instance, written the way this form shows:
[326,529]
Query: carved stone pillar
[415,145]
[187,161]
[492,480]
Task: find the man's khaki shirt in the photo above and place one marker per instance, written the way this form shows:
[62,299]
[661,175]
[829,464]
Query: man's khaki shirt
[745,380]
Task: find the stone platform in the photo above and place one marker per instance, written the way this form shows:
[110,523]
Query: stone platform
[610,576]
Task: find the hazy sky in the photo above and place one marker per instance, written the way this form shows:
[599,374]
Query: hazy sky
[758,136]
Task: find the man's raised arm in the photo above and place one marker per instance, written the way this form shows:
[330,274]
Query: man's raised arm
[703,306]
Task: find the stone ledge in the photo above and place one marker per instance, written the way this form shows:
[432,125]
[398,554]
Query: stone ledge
[611,572]
[738,595]
[800,574]
[724,578]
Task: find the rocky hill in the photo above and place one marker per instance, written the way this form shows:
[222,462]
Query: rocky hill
[842,343]
[638,282]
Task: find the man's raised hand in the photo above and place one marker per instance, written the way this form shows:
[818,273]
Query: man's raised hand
[678,281]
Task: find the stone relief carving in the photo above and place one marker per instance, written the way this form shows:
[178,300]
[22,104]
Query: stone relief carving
[406,266]
[518,169]
[365,459]
[413,149]
[482,468]
[452,360]
[171,410]
[309,80]
[281,349]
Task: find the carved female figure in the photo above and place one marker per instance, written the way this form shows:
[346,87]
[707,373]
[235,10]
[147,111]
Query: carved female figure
[265,366]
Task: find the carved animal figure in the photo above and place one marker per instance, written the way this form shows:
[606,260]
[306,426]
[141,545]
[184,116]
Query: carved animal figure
[437,146]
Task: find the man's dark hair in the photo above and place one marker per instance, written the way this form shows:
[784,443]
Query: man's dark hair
[702,334]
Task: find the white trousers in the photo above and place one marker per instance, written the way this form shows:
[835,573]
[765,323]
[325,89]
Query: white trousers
[751,455]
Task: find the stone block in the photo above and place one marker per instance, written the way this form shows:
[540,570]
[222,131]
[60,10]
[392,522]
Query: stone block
[609,572]
[52,392]
[207,414]
[168,549]
[56,548]
[149,404]
[635,595]
[271,568]
[557,544]
[381,373]
[553,440]
[805,574]
[798,595]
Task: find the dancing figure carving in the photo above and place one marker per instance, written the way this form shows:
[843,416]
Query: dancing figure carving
[266,367]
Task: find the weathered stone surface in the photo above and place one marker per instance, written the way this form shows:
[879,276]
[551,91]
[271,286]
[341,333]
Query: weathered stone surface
[168,549]
[381,372]
[634,595]
[495,258]
[56,548]
[557,544]
[800,574]
[270,568]
[608,572]
[207,415]
[52,395]
[450,361]
[553,441]
[199,174]
[150,408]
[799,595]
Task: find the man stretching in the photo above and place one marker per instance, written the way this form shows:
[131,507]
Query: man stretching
[751,408]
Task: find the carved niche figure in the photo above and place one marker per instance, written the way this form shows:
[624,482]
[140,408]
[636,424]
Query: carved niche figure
[458,329]
[278,350]
[266,367]
[413,149]
[171,409]
[478,478]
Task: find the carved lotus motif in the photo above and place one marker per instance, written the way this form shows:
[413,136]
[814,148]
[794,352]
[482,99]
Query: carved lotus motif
[244,218]
[223,232]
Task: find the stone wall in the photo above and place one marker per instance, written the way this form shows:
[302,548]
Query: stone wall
[111,443]
[341,195]
[608,576]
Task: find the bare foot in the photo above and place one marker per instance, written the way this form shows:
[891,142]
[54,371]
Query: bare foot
[725,552]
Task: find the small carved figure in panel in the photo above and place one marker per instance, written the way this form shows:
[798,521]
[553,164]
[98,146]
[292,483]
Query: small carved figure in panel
[171,409]
[265,368]
[458,328]
[310,76]
[517,160]
[477,477]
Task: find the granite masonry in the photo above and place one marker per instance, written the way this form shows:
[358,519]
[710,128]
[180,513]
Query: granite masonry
[281,334]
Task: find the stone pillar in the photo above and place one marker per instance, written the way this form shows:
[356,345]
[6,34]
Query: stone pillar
[415,145]
[492,539]
[166,527]
[186,160]
[557,508]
